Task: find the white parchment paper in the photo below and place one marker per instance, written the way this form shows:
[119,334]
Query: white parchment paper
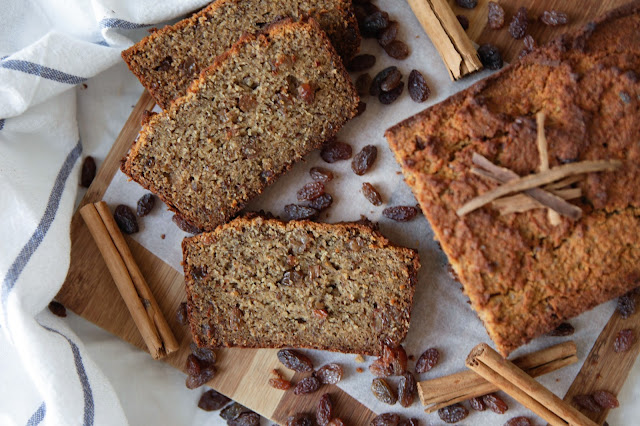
[441,316]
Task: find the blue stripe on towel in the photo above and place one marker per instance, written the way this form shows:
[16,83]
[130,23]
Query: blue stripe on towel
[38,416]
[119,23]
[1,123]
[40,70]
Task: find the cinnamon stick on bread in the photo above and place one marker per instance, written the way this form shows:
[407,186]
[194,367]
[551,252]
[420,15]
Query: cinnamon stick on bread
[258,282]
[258,109]
[523,274]
[167,61]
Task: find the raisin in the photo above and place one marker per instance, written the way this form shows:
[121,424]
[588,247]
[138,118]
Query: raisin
[624,340]
[320,174]
[245,419]
[467,4]
[360,109]
[296,212]
[626,305]
[329,374]
[518,421]
[490,56]
[464,21]
[212,401]
[477,404]
[387,98]
[391,81]
[335,151]
[554,18]
[396,357]
[375,89]
[519,24]
[587,402]
[386,419]
[496,16]
[409,422]
[194,365]
[203,354]
[374,24]
[165,64]
[310,191]
[145,204]
[185,225]
[427,360]
[300,419]
[495,403]
[88,171]
[371,194]
[322,202]
[57,309]
[400,213]
[379,369]
[324,410]
[307,385]
[232,411]
[389,34]
[363,160]
[407,389]
[361,63]
[383,392]
[205,375]
[335,422]
[125,219]
[564,329]
[605,399]
[418,89]
[529,42]
[181,314]
[306,93]
[453,413]
[279,383]
[397,49]
[362,84]
[295,361]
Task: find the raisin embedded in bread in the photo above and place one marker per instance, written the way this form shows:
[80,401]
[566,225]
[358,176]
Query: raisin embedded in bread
[523,275]
[259,108]
[258,283]
[167,61]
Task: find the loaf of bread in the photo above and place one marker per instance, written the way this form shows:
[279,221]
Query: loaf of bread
[263,283]
[523,275]
[168,60]
[261,106]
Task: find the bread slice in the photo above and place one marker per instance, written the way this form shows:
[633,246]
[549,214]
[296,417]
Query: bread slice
[524,276]
[258,109]
[263,283]
[167,61]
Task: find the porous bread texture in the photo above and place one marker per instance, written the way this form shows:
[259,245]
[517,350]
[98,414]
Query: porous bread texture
[522,275]
[168,60]
[263,283]
[261,107]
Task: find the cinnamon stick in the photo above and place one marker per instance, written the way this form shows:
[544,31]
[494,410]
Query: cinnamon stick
[543,151]
[521,203]
[129,280]
[451,41]
[519,385]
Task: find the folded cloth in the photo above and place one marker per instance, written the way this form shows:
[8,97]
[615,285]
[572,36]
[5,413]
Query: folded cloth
[47,47]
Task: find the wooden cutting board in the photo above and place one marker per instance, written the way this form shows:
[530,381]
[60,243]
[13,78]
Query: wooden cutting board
[90,292]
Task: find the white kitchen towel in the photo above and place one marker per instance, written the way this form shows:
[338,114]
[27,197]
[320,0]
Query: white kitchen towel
[47,48]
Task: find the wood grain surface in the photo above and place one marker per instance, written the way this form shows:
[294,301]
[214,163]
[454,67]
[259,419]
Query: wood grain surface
[243,374]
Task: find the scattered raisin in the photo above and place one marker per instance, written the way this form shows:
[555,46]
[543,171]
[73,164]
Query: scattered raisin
[391,81]
[495,403]
[587,402]
[371,194]
[400,213]
[295,361]
[322,202]
[320,174]
[529,42]
[375,89]
[418,89]
[379,369]
[335,151]
[374,24]
[626,305]
[409,422]
[496,16]
[206,374]
[464,21]
[360,109]
[245,419]
[300,419]
[310,191]
[279,383]
[606,399]
[362,84]
[554,18]
[185,225]
[145,204]
[397,49]
[324,410]
[329,374]
[307,385]
[361,62]
[490,56]
[519,24]
[389,34]
[564,329]
[125,219]
[383,392]
[232,411]
[518,421]
[393,362]
[624,340]
[427,360]
[477,403]
[194,365]
[296,212]
[181,314]
[407,389]
[387,98]
[212,401]
[363,160]
[88,171]
[386,419]
[467,4]
[57,309]
[336,422]
[453,413]
[203,354]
